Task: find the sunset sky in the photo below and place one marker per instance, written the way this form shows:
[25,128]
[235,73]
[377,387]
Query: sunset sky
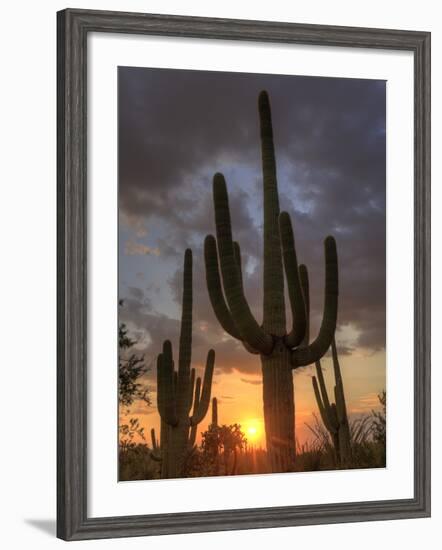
[176,129]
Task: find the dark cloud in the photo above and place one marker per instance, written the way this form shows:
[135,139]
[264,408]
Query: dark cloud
[177,128]
[136,292]
[342,350]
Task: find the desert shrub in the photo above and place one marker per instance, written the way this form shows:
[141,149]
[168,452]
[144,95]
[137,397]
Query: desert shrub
[221,447]
[131,369]
[379,420]
[321,445]
[134,459]
[135,463]
[367,434]
[312,456]
[253,460]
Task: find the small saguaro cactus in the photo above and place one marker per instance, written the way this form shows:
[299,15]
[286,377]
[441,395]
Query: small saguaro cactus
[214,428]
[334,415]
[214,412]
[281,350]
[156,450]
[177,390]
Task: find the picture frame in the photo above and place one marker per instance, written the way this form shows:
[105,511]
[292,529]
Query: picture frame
[73,28]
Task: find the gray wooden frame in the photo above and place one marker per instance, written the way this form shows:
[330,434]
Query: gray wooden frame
[73,28]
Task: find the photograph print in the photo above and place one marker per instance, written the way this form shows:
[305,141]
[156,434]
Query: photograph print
[252,273]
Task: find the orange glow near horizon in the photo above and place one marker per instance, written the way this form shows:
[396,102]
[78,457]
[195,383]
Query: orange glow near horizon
[240,398]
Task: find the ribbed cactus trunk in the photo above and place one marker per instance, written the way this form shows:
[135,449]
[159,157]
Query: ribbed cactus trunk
[175,452]
[279,409]
[280,351]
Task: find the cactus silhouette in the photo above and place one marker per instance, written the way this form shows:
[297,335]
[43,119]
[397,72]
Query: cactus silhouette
[155,453]
[334,415]
[281,351]
[177,390]
[214,412]
[214,431]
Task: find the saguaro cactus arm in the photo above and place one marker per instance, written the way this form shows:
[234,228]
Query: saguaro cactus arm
[155,453]
[196,400]
[237,251]
[191,389]
[216,294]
[192,436]
[336,366]
[341,407]
[153,440]
[325,408]
[303,275]
[340,404]
[204,401]
[303,356]
[247,326]
[214,287]
[196,404]
[322,385]
[323,414]
[299,320]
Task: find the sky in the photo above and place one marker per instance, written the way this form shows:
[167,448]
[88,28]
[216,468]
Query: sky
[177,128]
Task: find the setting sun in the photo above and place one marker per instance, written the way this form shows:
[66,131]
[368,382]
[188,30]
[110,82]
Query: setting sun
[252,430]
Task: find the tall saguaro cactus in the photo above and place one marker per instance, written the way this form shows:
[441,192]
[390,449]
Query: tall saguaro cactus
[178,391]
[281,351]
[334,415]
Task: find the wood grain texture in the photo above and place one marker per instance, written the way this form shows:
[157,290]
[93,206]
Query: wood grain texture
[72,29]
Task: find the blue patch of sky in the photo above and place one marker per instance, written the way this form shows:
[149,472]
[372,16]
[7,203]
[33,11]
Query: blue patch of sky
[154,269]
